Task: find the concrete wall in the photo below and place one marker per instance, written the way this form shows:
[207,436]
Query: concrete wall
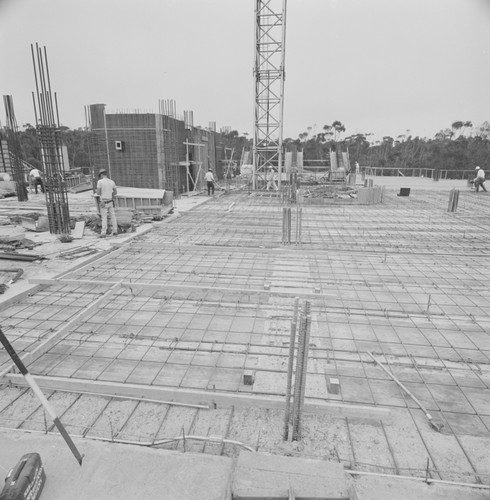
[153,150]
[137,163]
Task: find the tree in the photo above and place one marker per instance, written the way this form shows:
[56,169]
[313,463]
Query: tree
[338,129]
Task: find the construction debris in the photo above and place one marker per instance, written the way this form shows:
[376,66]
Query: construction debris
[330,191]
[76,253]
[7,189]
[16,241]
[18,273]
[20,256]
[31,224]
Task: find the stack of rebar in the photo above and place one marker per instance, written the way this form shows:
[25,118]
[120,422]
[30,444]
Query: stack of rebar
[15,150]
[49,132]
[297,369]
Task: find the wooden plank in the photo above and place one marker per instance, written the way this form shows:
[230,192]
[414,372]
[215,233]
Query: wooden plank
[19,296]
[215,399]
[174,286]
[79,230]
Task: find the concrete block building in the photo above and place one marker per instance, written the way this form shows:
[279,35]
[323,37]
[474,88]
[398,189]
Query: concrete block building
[153,150]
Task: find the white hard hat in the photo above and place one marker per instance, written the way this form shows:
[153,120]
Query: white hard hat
[477,168]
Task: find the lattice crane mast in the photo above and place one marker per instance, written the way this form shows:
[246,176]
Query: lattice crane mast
[270,36]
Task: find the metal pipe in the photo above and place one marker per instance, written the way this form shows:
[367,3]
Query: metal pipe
[437,426]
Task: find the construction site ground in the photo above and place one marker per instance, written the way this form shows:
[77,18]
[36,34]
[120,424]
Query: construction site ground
[148,340]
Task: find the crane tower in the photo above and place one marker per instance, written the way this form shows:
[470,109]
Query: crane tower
[270,37]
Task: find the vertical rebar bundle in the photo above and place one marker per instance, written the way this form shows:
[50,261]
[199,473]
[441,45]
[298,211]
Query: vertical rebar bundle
[292,346]
[15,150]
[287,225]
[301,370]
[48,129]
[297,370]
[293,186]
[453,200]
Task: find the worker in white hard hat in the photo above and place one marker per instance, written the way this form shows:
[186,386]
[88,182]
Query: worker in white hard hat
[479,180]
[271,180]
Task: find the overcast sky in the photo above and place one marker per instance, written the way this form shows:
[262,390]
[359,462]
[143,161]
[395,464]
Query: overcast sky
[378,66]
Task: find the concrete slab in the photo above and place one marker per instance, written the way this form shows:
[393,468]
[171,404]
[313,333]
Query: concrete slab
[375,269]
[119,471]
[263,476]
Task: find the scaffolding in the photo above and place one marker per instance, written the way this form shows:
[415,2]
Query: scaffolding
[270,36]
[48,129]
[15,150]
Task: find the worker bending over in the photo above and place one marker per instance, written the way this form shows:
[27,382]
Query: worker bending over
[479,179]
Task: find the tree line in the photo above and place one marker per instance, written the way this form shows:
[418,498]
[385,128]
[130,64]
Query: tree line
[77,142]
[460,147]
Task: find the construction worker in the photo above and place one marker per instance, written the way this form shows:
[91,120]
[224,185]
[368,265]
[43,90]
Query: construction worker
[209,181]
[36,179]
[271,180]
[479,180]
[106,190]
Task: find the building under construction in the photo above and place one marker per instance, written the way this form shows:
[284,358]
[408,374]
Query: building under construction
[155,150]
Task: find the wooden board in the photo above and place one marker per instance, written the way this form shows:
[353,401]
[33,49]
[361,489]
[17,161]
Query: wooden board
[79,229]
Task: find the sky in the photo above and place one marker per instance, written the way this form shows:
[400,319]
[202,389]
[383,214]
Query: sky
[381,67]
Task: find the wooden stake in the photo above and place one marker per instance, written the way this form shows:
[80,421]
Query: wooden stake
[37,391]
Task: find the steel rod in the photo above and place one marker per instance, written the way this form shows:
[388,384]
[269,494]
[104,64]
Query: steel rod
[292,345]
